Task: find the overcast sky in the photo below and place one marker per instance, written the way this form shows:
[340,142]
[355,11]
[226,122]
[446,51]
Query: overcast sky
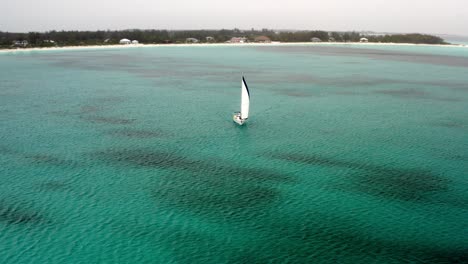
[424,16]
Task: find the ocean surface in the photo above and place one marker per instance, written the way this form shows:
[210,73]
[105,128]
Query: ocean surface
[351,154]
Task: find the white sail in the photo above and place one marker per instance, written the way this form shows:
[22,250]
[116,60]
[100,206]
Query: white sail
[245,100]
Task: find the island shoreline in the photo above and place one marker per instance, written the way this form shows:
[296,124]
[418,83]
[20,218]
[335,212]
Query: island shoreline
[120,46]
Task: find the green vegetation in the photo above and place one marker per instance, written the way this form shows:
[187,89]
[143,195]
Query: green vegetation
[408,38]
[78,38]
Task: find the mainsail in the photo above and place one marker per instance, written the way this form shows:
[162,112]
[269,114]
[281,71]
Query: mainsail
[245,100]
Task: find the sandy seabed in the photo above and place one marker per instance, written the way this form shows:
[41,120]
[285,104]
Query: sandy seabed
[118,46]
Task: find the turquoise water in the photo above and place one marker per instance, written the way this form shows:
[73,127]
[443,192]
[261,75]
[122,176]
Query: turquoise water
[352,154]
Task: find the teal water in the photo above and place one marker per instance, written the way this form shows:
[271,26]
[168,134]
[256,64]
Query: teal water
[352,154]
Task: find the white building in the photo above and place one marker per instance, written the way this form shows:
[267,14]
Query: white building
[363,40]
[134,41]
[20,43]
[191,40]
[125,41]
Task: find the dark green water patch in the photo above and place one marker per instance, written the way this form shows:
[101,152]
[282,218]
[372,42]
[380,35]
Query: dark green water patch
[413,93]
[336,241]
[452,124]
[146,158]
[94,110]
[4,150]
[108,120]
[248,174]
[91,60]
[110,99]
[60,113]
[52,186]
[438,83]
[166,160]
[463,89]
[86,109]
[376,54]
[406,184]
[315,160]
[399,183]
[18,213]
[49,160]
[347,93]
[195,246]
[312,237]
[204,187]
[360,80]
[230,200]
[461,157]
[295,93]
[134,133]
[416,94]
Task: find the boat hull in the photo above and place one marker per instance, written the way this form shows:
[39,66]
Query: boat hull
[237,119]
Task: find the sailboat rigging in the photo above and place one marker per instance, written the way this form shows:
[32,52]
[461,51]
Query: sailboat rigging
[243,115]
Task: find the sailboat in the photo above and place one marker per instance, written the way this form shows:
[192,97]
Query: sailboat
[241,117]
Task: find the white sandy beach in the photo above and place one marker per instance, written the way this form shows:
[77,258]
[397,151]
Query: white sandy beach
[119,46]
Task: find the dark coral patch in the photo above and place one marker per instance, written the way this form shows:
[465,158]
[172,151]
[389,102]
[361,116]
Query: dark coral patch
[229,200]
[17,214]
[295,93]
[60,113]
[376,54]
[47,159]
[133,133]
[417,94]
[90,109]
[146,158]
[110,99]
[314,160]
[165,160]
[53,186]
[302,242]
[400,183]
[4,150]
[452,124]
[204,187]
[108,120]
[406,184]
[413,93]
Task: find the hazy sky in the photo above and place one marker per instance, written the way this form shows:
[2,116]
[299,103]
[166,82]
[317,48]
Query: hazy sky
[425,16]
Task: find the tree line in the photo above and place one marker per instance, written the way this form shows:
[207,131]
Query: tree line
[110,37]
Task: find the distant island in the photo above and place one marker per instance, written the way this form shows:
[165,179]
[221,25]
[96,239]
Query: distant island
[54,38]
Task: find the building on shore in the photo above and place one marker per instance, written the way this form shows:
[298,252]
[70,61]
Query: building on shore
[135,42]
[20,43]
[363,40]
[315,40]
[262,39]
[209,39]
[125,41]
[191,40]
[237,40]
